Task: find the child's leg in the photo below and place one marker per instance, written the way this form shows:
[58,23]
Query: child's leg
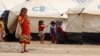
[25,48]
[22,47]
[55,39]
[52,40]
[42,39]
[1,38]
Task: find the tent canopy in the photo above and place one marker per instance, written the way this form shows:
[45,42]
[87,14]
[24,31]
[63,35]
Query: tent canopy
[41,8]
[48,8]
[8,4]
[93,7]
[90,7]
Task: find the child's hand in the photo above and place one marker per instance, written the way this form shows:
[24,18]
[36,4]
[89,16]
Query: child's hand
[46,25]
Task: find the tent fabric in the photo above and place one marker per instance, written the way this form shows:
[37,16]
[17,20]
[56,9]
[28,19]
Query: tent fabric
[93,7]
[83,23]
[91,23]
[83,28]
[74,23]
[12,22]
[39,8]
[8,4]
[51,8]
[1,8]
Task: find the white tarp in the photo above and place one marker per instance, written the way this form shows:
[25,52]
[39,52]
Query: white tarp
[74,23]
[41,8]
[83,23]
[1,8]
[51,8]
[93,7]
[91,23]
[8,4]
[81,4]
[33,23]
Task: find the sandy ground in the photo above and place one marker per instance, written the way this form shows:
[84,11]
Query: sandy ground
[48,49]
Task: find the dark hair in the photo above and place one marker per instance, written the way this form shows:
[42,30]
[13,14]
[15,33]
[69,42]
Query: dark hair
[53,22]
[23,10]
[40,22]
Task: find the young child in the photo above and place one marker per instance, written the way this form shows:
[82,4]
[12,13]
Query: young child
[2,33]
[25,28]
[60,32]
[41,27]
[53,32]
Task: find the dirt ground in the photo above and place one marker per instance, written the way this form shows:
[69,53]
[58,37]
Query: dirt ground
[48,49]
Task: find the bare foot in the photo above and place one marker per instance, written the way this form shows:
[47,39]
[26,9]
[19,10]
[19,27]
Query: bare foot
[25,50]
[42,43]
[22,52]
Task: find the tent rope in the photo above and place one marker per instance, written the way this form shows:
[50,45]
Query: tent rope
[75,17]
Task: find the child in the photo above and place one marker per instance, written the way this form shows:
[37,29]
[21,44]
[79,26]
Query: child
[60,32]
[2,22]
[25,28]
[41,27]
[53,32]
[2,33]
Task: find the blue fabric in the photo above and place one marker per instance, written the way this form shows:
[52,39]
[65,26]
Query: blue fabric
[5,14]
[52,30]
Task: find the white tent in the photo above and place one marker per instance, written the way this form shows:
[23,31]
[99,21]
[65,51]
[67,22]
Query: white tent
[47,10]
[1,8]
[41,8]
[93,7]
[89,19]
[8,4]
[37,10]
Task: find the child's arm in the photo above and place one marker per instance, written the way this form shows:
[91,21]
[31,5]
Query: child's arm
[61,30]
[20,20]
[46,25]
[4,34]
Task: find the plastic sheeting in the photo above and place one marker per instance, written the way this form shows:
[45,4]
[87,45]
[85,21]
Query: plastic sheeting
[41,8]
[83,23]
